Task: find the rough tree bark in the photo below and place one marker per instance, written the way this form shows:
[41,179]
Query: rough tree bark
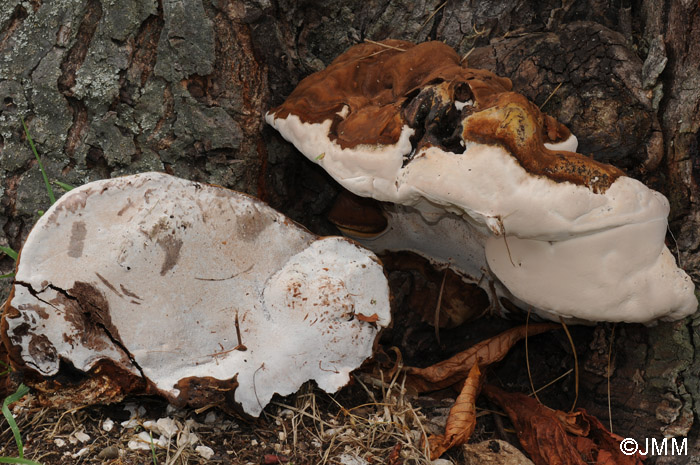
[110,88]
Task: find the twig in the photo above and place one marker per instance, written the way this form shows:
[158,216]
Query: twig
[240,345]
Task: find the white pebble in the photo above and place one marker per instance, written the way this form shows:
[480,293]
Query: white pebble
[205,452]
[80,453]
[108,425]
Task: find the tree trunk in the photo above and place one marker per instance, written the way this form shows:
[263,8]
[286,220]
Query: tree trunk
[181,86]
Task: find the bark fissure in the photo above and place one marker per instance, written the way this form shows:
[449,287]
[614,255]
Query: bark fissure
[18,16]
[75,57]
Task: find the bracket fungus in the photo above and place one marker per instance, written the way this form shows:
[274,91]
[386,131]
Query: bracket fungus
[153,284]
[472,175]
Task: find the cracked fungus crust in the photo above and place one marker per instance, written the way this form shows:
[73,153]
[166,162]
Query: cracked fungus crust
[200,293]
[484,182]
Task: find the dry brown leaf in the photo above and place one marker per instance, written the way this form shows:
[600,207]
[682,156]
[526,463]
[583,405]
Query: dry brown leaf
[462,418]
[455,368]
[373,318]
[543,433]
[540,432]
[395,456]
[608,443]
[574,422]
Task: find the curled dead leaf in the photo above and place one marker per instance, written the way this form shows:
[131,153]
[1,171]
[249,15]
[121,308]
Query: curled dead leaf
[574,422]
[456,368]
[462,418]
[554,437]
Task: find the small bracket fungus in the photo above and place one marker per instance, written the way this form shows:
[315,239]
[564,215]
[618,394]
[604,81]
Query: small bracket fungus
[154,284]
[474,176]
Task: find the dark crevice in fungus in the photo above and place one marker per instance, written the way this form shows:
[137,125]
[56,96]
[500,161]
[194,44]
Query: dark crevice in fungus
[94,318]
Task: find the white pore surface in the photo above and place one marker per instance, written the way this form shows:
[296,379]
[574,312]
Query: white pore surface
[176,261]
[568,145]
[549,221]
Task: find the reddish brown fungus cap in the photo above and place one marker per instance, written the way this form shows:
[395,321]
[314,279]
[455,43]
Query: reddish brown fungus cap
[468,161]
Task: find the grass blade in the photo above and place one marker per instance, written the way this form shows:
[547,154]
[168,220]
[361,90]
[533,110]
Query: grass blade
[49,190]
[22,391]
[9,251]
[18,460]
[8,368]
[64,186]
[153,449]
[8,275]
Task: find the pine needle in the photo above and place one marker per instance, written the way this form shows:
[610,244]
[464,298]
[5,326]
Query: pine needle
[527,356]
[432,16]
[573,349]
[384,45]
[562,376]
[49,190]
[551,95]
[609,373]
[437,308]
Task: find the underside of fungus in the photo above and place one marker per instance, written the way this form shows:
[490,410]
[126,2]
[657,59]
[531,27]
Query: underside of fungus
[154,284]
[473,176]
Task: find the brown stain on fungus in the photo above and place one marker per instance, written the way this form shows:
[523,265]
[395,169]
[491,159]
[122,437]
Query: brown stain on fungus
[251,223]
[171,246]
[128,293]
[41,350]
[516,124]
[77,239]
[88,311]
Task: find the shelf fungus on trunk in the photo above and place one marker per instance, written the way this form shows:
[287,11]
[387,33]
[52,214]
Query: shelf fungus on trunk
[154,284]
[472,175]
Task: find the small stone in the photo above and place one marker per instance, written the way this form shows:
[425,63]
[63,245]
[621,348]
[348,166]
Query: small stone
[133,423]
[494,452]
[108,425]
[109,453]
[81,436]
[80,453]
[59,442]
[205,452]
[167,427]
[347,459]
